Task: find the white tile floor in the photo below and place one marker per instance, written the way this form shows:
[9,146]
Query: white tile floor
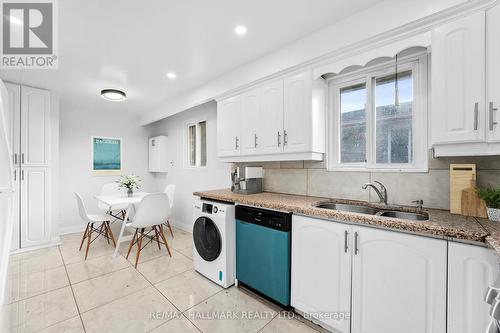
[56,290]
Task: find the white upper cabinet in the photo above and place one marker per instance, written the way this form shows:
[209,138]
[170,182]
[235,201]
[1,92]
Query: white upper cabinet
[398,283]
[228,126]
[271,122]
[458,81]
[13,120]
[493,74]
[321,270]
[471,270]
[280,120]
[158,158]
[297,136]
[250,120]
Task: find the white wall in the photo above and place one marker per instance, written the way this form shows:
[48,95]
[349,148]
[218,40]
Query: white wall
[75,174]
[383,17]
[215,175]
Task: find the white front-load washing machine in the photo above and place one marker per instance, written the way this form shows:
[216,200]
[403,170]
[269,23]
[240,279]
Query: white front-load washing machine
[214,235]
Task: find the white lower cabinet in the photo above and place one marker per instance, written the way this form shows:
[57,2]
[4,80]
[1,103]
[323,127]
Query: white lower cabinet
[398,283]
[35,227]
[321,270]
[471,269]
[390,282]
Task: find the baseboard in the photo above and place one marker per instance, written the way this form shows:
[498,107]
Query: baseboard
[72,229]
[187,227]
[38,247]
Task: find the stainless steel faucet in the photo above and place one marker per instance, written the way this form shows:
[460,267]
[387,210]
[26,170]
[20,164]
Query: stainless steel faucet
[419,203]
[382,192]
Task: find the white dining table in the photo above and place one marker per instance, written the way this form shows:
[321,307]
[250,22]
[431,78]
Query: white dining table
[121,201]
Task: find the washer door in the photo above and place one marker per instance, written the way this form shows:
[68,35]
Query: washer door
[207,239]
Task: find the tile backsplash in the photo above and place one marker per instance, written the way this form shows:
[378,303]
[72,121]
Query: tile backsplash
[311,178]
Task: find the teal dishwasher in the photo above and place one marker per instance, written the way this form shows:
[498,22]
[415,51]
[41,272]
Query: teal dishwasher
[263,252]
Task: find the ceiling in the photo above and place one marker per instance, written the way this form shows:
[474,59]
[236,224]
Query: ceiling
[131,45]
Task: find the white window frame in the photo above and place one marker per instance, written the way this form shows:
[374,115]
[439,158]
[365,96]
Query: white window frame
[418,64]
[187,125]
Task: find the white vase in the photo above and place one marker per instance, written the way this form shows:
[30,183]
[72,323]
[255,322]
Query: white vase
[493,214]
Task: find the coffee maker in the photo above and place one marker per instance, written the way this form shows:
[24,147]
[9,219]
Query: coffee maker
[246,180]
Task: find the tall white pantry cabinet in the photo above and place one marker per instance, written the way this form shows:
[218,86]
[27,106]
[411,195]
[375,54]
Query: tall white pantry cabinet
[30,133]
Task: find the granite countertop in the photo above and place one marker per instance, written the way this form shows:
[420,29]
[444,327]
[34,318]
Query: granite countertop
[441,223]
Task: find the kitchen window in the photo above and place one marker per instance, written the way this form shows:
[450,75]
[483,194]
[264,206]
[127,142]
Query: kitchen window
[197,144]
[378,119]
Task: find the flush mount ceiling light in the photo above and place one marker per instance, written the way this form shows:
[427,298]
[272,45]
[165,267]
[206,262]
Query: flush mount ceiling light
[171,75]
[240,30]
[114,95]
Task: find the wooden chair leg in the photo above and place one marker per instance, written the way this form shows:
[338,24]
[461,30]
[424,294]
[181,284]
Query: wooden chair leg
[110,233]
[170,228]
[164,240]
[89,238]
[105,227]
[84,236]
[131,243]
[156,237]
[139,245]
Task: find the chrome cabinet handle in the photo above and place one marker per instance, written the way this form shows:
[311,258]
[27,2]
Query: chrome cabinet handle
[356,249]
[476,115]
[492,121]
[22,158]
[279,138]
[15,175]
[255,140]
[15,158]
[22,174]
[285,138]
[345,241]
[236,141]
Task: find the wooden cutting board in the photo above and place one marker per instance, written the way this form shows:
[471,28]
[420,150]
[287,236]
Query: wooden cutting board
[471,204]
[461,178]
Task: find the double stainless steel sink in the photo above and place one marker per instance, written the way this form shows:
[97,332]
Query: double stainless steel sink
[373,211]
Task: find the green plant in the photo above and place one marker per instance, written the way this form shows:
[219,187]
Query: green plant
[129,181]
[490,195]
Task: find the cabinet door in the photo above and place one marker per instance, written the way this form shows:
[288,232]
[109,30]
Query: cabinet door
[15,243]
[34,206]
[458,81]
[154,155]
[297,113]
[271,122]
[321,270]
[493,73]
[471,270]
[35,122]
[250,122]
[398,283]
[13,120]
[13,124]
[228,127]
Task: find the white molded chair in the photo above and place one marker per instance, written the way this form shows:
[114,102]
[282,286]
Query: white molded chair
[151,213]
[112,189]
[170,191]
[91,219]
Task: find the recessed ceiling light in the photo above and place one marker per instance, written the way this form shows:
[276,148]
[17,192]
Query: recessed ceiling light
[114,95]
[171,75]
[240,30]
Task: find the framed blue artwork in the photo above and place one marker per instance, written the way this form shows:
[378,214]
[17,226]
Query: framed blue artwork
[106,155]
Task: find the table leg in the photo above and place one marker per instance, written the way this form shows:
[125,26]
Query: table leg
[120,237]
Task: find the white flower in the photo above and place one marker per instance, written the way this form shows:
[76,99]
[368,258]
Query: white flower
[129,182]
